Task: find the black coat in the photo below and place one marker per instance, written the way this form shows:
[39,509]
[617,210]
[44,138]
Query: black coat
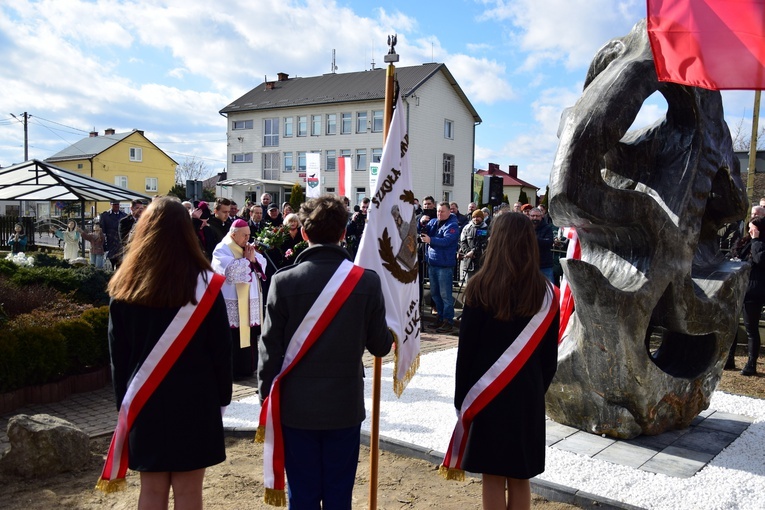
[180,427]
[507,438]
[325,390]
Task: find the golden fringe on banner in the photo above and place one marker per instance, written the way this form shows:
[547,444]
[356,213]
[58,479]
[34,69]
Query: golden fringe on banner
[400,385]
[452,473]
[260,434]
[109,486]
[275,497]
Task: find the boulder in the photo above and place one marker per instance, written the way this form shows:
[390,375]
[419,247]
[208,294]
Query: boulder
[42,445]
[656,303]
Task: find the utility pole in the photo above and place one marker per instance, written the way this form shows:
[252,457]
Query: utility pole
[25,122]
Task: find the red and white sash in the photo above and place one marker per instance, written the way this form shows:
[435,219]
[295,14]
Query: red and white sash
[151,373]
[495,380]
[329,302]
[573,252]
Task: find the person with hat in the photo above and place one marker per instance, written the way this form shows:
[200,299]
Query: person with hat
[273,216]
[473,241]
[110,225]
[244,269]
[526,209]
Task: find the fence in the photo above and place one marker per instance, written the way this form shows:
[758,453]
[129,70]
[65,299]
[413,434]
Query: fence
[7,228]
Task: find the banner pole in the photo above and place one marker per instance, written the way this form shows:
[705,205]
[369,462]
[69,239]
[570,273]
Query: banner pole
[374,436]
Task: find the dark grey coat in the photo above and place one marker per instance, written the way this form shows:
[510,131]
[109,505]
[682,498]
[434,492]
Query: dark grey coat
[325,390]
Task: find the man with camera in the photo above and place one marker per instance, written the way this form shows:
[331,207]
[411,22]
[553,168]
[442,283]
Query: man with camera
[355,227]
[473,241]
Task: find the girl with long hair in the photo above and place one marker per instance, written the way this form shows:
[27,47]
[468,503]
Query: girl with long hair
[178,431]
[510,319]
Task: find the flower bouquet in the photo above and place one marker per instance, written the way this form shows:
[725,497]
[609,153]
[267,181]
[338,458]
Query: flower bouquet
[295,251]
[272,236]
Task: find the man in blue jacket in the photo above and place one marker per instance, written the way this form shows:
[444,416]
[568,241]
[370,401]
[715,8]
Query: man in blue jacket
[442,235]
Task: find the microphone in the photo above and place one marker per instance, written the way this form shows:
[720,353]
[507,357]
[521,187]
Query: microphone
[261,245]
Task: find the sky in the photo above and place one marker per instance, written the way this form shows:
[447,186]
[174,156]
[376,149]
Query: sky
[167,67]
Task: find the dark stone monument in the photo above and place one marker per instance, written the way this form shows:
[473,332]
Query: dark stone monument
[657,305]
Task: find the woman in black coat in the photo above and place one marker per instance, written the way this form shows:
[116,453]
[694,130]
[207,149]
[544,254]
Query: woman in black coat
[178,432]
[753,250]
[506,440]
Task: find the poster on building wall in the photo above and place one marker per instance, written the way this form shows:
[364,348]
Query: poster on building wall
[374,173]
[312,174]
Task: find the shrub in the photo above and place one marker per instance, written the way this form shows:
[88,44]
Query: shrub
[42,354]
[16,299]
[11,369]
[81,348]
[98,318]
[87,284]
[57,311]
[92,286]
[46,260]
[7,268]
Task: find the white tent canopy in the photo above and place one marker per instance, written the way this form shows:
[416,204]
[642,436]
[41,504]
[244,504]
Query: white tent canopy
[37,180]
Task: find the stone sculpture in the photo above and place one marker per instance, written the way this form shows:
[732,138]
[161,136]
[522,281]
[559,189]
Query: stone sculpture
[646,206]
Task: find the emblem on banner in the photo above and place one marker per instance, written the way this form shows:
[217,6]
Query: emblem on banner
[312,180]
[402,265]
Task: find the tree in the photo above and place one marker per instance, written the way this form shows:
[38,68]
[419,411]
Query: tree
[191,169]
[522,197]
[742,138]
[547,194]
[179,190]
[297,196]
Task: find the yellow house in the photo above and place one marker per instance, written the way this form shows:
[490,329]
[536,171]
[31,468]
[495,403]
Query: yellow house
[128,160]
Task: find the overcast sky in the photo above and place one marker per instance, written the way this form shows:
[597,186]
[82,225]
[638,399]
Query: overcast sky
[168,66]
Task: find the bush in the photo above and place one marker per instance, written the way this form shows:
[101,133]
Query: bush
[98,318]
[7,268]
[87,284]
[81,348]
[46,260]
[47,316]
[42,354]
[11,369]
[17,299]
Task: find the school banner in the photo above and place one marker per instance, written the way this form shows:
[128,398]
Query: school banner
[312,175]
[389,247]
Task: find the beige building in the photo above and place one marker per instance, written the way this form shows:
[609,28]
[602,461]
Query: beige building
[274,126]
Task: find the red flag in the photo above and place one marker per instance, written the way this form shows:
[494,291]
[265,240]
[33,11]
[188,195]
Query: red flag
[714,44]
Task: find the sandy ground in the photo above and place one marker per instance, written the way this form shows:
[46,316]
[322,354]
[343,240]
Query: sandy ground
[237,483]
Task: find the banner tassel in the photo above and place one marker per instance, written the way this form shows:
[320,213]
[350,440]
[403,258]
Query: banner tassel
[109,486]
[452,473]
[275,497]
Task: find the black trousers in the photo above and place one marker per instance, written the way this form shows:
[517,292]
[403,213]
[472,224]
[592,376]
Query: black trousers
[752,311]
[244,361]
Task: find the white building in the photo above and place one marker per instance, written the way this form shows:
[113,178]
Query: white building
[272,128]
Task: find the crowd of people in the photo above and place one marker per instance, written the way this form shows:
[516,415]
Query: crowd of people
[219,303]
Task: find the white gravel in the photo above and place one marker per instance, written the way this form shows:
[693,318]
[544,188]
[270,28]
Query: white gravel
[425,416]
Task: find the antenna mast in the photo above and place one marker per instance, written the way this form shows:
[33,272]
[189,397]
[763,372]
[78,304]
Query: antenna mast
[333,67]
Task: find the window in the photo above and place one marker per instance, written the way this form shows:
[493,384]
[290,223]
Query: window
[331,123]
[360,194]
[361,159]
[289,165]
[345,125]
[241,124]
[288,127]
[121,181]
[449,129]
[377,121]
[448,178]
[376,155]
[245,157]
[79,166]
[136,154]
[315,125]
[271,132]
[301,162]
[345,153]
[330,190]
[151,184]
[271,162]
[302,125]
[331,165]
[361,122]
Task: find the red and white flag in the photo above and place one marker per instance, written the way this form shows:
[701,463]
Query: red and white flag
[389,247]
[573,252]
[714,44]
[344,174]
